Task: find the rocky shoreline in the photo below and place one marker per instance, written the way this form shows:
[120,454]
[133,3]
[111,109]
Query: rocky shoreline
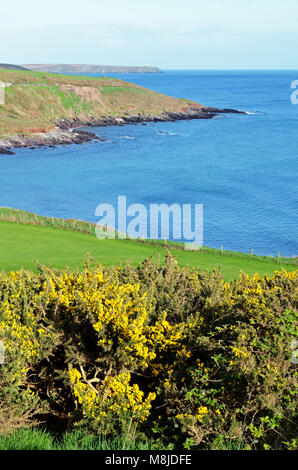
[50,139]
[67,131]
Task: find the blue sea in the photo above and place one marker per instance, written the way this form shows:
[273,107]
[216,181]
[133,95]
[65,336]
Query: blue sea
[243,169]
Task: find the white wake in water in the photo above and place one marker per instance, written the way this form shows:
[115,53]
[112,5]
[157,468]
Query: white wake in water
[128,137]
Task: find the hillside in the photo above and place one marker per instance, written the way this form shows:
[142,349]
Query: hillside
[12,67]
[42,108]
[38,102]
[86,68]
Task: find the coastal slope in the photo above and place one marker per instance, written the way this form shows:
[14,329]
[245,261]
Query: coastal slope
[12,67]
[44,109]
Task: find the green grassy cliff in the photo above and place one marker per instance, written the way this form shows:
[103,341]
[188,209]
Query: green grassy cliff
[35,101]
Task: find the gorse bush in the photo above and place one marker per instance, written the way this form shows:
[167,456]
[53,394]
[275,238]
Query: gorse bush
[156,351]
[28,339]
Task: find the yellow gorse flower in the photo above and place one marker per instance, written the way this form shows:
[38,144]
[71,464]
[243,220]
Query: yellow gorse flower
[115,394]
[201,413]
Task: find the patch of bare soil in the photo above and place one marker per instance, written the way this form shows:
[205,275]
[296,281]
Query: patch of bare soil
[86,93]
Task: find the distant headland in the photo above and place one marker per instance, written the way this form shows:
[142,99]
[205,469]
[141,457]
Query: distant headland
[12,67]
[85,68]
[48,109]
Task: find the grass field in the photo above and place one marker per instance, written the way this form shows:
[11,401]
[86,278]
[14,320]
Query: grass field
[22,243]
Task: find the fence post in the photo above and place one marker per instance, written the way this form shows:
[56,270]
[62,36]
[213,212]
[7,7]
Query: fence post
[251,253]
[221,250]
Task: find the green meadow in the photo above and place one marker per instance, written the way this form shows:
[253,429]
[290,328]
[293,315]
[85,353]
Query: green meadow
[26,238]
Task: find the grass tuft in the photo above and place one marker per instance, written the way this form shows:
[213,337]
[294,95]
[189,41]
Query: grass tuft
[36,439]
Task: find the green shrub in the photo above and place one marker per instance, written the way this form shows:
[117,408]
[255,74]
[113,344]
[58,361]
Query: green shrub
[153,352]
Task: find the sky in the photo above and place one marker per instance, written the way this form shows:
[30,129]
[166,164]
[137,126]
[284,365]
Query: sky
[170,34]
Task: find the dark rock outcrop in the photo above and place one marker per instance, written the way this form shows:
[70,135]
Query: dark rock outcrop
[189,114]
[50,139]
